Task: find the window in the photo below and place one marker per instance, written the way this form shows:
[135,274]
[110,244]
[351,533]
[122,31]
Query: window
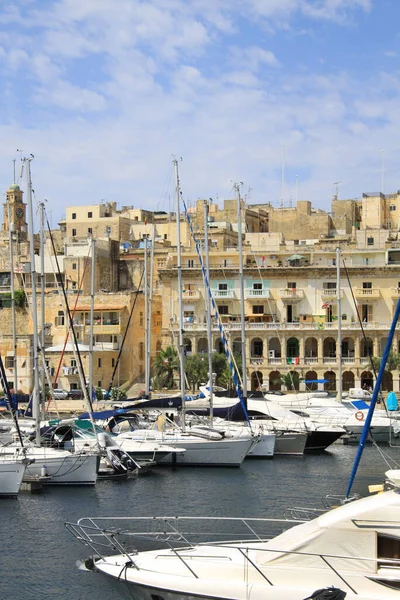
[370,241]
[222,287]
[296,242]
[165,236]
[291,285]
[141,351]
[389,548]
[60,319]
[113,362]
[99,383]
[9,362]
[5,279]
[223,309]
[73,362]
[257,286]
[367,285]
[141,319]
[329,285]
[90,215]
[392,207]
[258,310]
[190,263]
[73,232]
[90,230]
[99,362]
[108,230]
[74,266]
[74,215]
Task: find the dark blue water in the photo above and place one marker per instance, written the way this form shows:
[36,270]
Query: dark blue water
[38,554]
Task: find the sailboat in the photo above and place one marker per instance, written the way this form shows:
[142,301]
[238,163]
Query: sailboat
[350,552]
[55,466]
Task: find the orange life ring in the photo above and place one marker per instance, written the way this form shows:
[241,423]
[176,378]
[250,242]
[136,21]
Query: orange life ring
[359,415]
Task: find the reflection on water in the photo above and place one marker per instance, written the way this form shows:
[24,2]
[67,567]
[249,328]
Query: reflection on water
[39,556]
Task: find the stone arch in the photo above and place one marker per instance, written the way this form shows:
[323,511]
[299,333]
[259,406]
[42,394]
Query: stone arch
[187,345]
[219,346]
[274,348]
[387,382]
[366,347]
[256,380]
[202,346]
[330,385]
[310,376]
[257,347]
[274,381]
[311,348]
[367,380]
[329,347]
[348,380]
[292,348]
[347,347]
[237,346]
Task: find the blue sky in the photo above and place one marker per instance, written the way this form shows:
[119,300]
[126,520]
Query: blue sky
[104,92]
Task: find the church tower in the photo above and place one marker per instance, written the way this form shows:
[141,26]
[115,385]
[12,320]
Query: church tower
[17,210]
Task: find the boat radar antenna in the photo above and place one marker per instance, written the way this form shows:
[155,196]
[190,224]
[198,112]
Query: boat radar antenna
[336,194]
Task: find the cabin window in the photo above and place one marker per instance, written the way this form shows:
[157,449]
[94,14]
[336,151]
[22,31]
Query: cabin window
[388,550]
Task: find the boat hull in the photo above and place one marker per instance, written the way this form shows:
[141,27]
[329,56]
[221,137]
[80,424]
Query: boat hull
[290,443]
[11,475]
[60,468]
[321,439]
[210,453]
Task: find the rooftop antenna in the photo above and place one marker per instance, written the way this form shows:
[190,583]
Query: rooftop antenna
[297,188]
[283,178]
[383,170]
[336,194]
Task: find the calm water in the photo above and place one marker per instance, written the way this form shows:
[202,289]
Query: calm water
[38,554]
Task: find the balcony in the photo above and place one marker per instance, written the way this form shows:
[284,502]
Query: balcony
[256,360]
[367,294]
[69,371]
[291,295]
[224,294]
[251,293]
[112,328]
[191,295]
[330,294]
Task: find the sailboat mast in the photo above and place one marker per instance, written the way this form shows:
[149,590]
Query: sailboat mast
[150,309]
[42,336]
[241,287]
[180,307]
[146,319]
[208,309]
[35,391]
[339,334]
[92,275]
[13,316]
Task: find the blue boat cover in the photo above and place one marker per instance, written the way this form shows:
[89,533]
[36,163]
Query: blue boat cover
[391,401]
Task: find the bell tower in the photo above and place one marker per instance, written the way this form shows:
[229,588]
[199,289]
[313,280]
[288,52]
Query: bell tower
[17,210]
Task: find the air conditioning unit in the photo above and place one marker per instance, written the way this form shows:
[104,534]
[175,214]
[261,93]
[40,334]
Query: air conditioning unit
[271,353]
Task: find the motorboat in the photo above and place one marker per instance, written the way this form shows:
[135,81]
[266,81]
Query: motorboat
[12,470]
[352,550]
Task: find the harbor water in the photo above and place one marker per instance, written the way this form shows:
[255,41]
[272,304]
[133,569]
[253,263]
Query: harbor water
[38,554]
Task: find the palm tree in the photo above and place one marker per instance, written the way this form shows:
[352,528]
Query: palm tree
[165,367]
[289,380]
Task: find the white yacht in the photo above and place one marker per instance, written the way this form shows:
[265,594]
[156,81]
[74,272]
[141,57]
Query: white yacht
[350,552]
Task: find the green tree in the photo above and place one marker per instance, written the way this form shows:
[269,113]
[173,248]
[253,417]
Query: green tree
[219,364]
[99,393]
[196,369]
[116,394]
[393,362]
[226,379]
[289,380]
[165,366]
[19,298]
